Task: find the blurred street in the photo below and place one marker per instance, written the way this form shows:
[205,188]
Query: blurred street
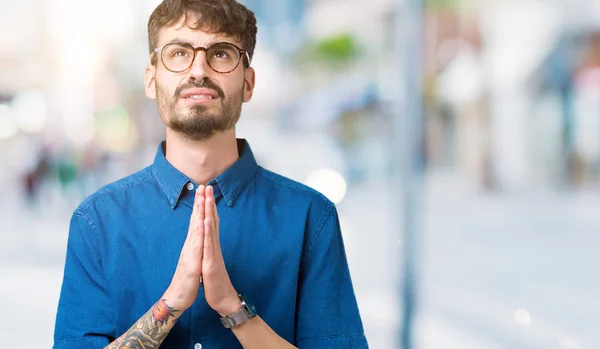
[470,293]
[539,292]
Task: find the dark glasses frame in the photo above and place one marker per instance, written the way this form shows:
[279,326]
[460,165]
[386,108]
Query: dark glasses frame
[243,53]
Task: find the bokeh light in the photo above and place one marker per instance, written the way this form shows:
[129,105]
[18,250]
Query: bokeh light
[329,182]
[80,132]
[8,127]
[522,317]
[30,111]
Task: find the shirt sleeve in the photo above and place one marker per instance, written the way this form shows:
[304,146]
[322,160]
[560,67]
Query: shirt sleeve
[327,311]
[83,318]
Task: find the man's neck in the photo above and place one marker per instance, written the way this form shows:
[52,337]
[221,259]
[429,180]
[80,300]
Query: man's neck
[204,160]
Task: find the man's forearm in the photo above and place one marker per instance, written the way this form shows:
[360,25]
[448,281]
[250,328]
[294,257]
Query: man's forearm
[256,334]
[151,329]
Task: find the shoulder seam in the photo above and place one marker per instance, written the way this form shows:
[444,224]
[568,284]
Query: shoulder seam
[87,219]
[324,218]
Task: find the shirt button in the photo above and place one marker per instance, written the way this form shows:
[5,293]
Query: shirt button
[190,187]
[198,346]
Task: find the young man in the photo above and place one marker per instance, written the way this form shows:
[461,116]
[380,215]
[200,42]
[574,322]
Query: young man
[204,248]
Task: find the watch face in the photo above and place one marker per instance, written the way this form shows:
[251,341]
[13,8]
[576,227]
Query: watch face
[252,309]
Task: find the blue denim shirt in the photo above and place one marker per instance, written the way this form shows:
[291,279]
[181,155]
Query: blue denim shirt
[281,243]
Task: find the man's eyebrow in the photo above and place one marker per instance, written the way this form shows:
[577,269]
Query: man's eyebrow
[178,40]
[210,43]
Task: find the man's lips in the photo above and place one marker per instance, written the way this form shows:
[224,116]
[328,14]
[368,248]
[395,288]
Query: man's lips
[199,94]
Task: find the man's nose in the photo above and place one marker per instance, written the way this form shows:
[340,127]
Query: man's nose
[200,67]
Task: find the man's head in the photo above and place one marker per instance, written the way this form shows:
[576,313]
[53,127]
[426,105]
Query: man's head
[200,92]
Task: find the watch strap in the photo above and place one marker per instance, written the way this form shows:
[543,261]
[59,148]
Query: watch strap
[239,317]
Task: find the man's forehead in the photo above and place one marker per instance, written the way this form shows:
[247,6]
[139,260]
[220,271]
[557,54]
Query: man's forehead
[185,32]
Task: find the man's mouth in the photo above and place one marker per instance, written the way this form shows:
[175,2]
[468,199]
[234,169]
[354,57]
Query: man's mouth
[199,94]
[199,97]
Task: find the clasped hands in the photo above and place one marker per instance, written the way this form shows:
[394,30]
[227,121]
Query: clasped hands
[201,261]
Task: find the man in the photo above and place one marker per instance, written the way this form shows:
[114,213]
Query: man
[204,248]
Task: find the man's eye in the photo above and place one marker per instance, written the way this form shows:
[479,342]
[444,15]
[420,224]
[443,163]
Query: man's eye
[179,53]
[221,54]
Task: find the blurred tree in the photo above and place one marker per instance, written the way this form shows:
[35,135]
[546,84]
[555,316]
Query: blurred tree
[339,48]
[441,4]
[330,54]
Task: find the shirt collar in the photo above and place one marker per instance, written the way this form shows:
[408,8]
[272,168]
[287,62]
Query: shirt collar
[229,184]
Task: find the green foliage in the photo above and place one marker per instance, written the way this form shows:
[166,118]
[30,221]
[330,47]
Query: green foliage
[441,4]
[339,48]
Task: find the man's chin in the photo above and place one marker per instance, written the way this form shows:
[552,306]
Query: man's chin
[196,111]
[201,110]
[193,131]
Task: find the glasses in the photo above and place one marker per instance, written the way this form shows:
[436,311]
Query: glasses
[222,57]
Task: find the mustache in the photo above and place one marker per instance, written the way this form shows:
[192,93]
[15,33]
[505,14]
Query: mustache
[202,84]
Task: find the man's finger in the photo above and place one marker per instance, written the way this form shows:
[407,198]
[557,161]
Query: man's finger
[214,218]
[193,218]
[211,212]
[210,192]
[208,241]
[196,221]
[200,224]
[210,198]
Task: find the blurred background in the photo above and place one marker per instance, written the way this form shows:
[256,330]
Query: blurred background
[470,220]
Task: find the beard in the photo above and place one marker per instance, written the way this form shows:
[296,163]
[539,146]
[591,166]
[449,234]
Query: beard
[200,122]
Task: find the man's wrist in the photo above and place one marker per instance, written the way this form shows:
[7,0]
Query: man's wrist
[176,299]
[230,306]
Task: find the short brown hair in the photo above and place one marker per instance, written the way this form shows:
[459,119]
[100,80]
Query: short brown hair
[216,16]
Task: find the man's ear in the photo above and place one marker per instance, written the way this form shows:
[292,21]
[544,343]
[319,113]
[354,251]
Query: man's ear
[249,81]
[150,81]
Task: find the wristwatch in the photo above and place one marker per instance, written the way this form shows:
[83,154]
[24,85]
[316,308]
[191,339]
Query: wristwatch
[246,313]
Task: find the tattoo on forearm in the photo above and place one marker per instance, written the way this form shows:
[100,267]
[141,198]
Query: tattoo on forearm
[162,312]
[150,330]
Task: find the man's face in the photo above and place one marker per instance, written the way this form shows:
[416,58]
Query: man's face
[182,97]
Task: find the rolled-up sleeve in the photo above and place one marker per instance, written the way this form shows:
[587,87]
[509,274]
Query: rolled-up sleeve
[83,317]
[327,311]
